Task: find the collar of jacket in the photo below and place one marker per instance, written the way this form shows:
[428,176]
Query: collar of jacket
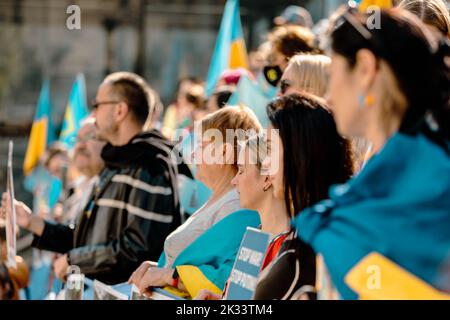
[148,149]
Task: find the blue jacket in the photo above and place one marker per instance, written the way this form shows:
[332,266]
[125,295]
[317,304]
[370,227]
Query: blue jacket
[398,206]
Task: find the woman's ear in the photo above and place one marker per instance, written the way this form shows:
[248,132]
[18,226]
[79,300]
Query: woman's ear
[365,69]
[267,183]
[228,156]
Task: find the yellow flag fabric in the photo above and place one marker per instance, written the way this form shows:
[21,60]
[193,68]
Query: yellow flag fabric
[377,278]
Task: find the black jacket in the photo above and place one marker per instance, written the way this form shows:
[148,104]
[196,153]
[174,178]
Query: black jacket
[132,210]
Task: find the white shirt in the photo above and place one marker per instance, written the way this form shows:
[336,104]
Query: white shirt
[200,221]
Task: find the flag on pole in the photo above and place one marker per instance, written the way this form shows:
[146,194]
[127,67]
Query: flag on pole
[230,51]
[42,133]
[76,111]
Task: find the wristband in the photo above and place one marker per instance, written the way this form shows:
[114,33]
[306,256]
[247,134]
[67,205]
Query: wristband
[175,278]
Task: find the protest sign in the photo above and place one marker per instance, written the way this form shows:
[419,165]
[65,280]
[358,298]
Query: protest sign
[246,269]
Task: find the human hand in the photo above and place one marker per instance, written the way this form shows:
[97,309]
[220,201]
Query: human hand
[60,266]
[23,213]
[155,277]
[137,275]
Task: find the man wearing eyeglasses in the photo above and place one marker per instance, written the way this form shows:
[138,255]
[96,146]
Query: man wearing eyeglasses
[87,160]
[135,204]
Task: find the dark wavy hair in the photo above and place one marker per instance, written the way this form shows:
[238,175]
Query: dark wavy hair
[417,59]
[315,155]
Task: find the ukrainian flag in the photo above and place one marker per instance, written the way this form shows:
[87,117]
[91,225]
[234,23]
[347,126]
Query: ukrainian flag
[42,133]
[76,111]
[230,51]
[382,4]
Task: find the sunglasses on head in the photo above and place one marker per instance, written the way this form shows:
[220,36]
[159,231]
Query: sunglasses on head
[349,15]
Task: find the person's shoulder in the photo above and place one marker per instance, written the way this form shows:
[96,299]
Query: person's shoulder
[225,209]
[241,217]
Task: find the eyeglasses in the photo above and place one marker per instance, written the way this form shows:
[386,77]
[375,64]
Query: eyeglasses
[284,86]
[96,104]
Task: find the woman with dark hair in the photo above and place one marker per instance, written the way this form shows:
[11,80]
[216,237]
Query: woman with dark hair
[318,155]
[305,156]
[390,85]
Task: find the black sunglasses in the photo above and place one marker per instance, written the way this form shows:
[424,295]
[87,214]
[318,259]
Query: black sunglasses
[96,104]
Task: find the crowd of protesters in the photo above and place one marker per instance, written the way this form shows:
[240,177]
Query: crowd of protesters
[352,169]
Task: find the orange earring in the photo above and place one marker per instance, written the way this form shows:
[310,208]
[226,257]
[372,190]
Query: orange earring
[369,100]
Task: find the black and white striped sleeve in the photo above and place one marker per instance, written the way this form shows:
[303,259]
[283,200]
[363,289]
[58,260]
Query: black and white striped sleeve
[151,215]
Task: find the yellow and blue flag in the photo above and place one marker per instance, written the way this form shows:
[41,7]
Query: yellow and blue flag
[382,4]
[76,111]
[42,133]
[385,234]
[230,51]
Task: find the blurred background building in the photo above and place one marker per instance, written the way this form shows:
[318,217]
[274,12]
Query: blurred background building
[162,40]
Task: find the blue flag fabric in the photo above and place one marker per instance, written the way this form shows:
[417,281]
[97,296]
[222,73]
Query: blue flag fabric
[230,51]
[207,262]
[398,206]
[76,111]
[255,96]
[42,132]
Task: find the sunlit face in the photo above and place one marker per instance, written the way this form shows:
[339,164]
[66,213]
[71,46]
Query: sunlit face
[277,154]
[87,151]
[343,98]
[105,122]
[250,183]
[276,58]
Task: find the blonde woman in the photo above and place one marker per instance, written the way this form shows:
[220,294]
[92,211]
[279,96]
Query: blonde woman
[306,73]
[309,73]
[195,255]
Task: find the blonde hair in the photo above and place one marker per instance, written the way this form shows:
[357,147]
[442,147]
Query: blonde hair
[232,118]
[431,12]
[309,73]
